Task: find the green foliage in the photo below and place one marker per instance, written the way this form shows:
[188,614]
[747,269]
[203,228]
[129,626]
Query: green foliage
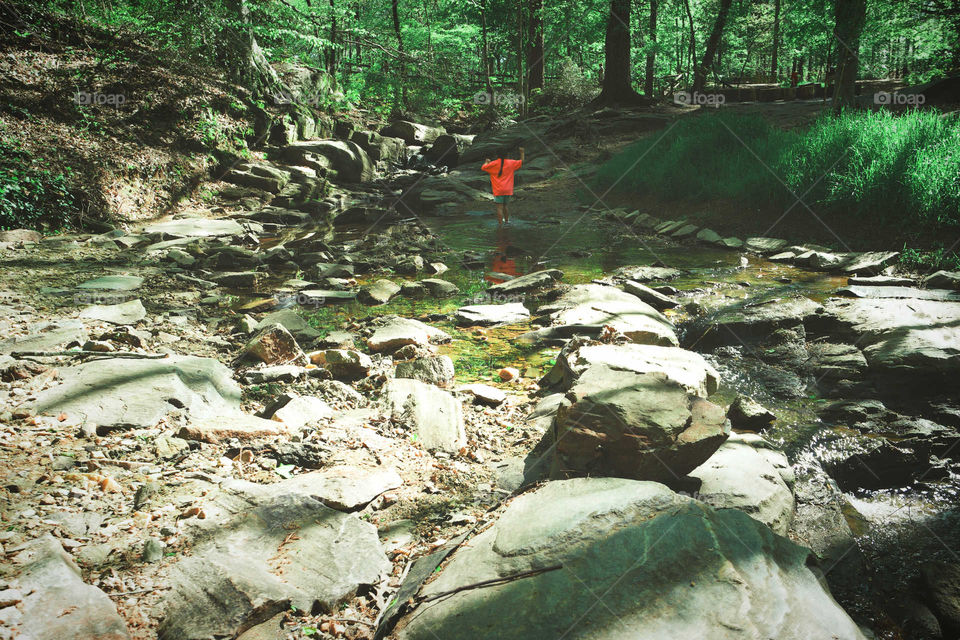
[32,195]
[898,169]
[571,89]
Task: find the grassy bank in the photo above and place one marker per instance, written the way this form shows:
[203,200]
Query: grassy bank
[876,176]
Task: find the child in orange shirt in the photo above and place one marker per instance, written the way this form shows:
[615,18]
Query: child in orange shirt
[501,173]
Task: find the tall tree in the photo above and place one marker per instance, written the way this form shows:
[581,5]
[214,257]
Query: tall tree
[651,52]
[249,65]
[700,77]
[617,88]
[535,46]
[850,18]
[776,39]
[395,10]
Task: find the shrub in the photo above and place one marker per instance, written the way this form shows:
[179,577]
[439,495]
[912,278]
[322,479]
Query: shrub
[894,168]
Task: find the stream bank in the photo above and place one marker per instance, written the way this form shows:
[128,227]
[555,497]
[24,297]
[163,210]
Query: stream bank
[415,405]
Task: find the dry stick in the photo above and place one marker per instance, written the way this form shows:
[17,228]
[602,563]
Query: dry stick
[127,593]
[492,581]
[104,354]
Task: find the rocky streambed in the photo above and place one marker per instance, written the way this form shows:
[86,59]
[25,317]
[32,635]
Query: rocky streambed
[592,423]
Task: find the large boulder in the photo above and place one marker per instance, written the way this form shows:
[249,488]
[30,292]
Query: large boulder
[491,314]
[342,160]
[592,307]
[447,147]
[129,393]
[380,147]
[195,228]
[393,332]
[601,558]
[434,415]
[908,345]
[56,603]
[526,282]
[634,425]
[412,132]
[686,368]
[747,323]
[748,474]
[436,370]
[246,565]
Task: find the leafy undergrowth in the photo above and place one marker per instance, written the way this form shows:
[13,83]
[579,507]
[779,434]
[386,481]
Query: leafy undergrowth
[867,178]
[96,124]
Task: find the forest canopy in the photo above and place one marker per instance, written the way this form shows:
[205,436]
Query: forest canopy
[436,55]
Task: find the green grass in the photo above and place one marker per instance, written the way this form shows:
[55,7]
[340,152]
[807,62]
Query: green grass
[902,170]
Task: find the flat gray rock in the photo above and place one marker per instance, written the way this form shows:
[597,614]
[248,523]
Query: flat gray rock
[641,426]
[112,283]
[393,332]
[653,298]
[320,297]
[646,274]
[907,344]
[434,415]
[869,263]
[686,368]
[196,228]
[130,312]
[527,282]
[485,394]
[345,487]
[491,314]
[765,245]
[58,603]
[749,474]
[943,280]
[739,324]
[246,564]
[132,393]
[860,291]
[379,292]
[292,322]
[436,370]
[623,559]
[593,305]
[48,337]
[881,281]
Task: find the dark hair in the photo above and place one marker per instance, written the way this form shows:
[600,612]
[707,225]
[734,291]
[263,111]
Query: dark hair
[502,153]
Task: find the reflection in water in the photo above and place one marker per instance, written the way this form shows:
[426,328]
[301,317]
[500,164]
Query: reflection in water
[502,261]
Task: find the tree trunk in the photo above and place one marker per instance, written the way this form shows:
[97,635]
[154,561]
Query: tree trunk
[700,79]
[693,37]
[250,66]
[617,89]
[651,53]
[485,62]
[535,47]
[395,9]
[776,39]
[850,17]
[332,52]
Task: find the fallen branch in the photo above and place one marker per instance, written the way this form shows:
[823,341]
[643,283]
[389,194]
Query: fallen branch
[129,593]
[492,581]
[104,354]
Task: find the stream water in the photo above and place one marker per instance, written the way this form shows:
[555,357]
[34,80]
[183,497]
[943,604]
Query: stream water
[586,246]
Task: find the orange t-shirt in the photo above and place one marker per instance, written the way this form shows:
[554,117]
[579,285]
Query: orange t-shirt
[503,184]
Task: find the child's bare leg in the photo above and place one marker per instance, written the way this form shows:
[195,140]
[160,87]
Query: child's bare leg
[500,209]
[506,213]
